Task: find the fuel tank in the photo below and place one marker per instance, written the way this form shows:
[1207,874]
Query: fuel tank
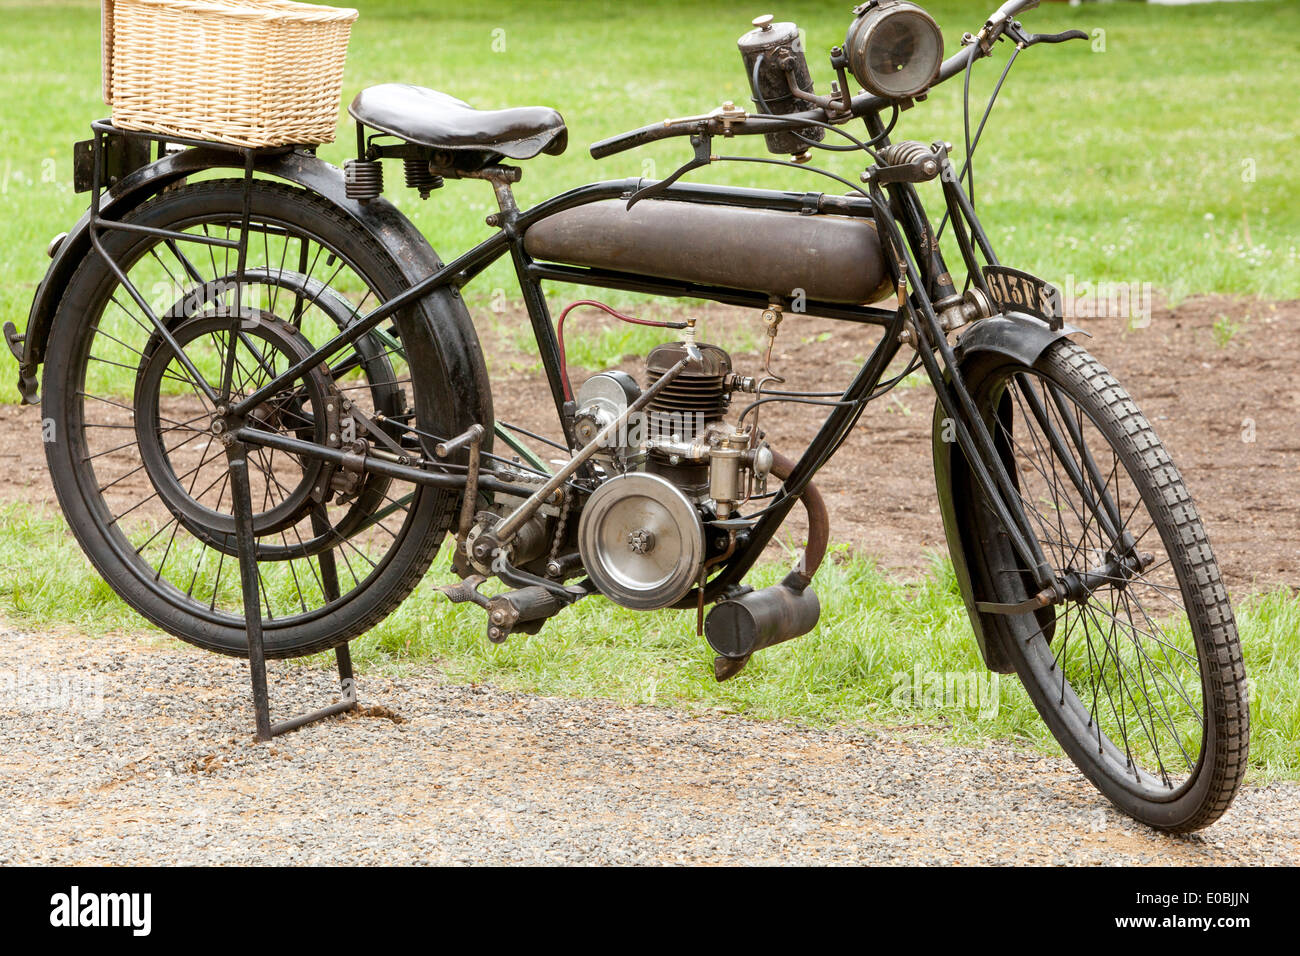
[830,258]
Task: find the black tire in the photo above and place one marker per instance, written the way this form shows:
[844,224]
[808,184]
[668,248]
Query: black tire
[1160,663]
[392,567]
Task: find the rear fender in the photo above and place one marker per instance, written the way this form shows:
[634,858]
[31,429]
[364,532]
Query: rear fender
[437,333]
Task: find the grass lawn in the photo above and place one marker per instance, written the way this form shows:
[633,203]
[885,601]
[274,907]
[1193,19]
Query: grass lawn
[884,651]
[1160,152]
[1163,157]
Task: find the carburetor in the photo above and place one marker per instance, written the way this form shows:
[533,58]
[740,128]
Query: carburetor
[732,470]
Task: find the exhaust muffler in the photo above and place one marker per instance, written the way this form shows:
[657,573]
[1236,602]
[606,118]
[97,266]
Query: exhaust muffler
[749,622]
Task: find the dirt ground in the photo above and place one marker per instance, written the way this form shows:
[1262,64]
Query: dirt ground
[155,764]
[1216,376]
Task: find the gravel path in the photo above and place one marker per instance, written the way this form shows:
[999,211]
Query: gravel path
[167,772]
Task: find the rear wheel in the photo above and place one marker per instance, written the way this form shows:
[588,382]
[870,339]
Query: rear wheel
[137,458]
[1139,673]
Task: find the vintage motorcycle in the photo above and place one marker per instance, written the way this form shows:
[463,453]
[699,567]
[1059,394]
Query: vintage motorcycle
[265,404]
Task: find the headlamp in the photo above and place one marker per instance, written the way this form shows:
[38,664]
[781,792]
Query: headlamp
[894,49]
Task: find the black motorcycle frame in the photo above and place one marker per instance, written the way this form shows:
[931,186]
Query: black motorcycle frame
[914,261]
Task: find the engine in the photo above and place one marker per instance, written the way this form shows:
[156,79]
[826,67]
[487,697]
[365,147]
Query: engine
[659,484]
[676,465]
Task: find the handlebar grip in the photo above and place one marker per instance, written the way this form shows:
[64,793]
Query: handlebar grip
[1059,37]
[637,137]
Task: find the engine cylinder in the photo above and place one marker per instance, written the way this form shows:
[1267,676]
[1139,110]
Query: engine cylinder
[696,398]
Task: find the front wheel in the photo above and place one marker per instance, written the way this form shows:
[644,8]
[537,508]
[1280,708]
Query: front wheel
[1139,672]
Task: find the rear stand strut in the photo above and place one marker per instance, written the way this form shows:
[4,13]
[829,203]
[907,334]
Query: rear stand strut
[108,157]
[250,581]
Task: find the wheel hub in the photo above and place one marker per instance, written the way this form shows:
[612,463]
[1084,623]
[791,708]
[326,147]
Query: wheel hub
[184,471]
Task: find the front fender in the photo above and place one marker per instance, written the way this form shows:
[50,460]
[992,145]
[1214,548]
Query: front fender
[437,335]
[1014,335]
[1024,339]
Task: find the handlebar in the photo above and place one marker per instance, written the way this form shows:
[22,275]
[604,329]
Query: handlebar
[859,106]
[633,139]
[1011,8]
[1033,38]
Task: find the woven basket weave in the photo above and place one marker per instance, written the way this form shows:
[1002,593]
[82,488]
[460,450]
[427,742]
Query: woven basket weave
[248,72]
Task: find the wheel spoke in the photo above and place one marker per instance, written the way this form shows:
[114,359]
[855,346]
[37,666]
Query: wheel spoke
[1120,649]
[163,480]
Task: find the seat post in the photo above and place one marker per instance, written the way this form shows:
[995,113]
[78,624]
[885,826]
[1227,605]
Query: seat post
[505,198]
[501,178]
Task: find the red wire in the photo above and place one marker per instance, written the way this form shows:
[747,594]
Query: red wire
[559,334]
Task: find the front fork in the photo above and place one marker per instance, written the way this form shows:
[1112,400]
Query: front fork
[918,290]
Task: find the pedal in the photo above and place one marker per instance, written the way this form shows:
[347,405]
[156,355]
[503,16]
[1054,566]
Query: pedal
[466,590]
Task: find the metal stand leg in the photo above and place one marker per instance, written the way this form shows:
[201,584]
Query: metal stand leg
[246,544]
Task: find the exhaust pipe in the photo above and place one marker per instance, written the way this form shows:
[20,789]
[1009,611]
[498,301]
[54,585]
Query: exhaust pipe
[749,622]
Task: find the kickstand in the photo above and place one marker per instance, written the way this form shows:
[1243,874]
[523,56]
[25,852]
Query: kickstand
[250,580]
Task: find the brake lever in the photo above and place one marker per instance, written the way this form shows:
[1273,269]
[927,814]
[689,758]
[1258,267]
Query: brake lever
[1029,39]
[703,144]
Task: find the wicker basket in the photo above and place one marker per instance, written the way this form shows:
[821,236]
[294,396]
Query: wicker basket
[248,72]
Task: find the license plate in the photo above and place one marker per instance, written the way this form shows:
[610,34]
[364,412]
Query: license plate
[1016,291]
